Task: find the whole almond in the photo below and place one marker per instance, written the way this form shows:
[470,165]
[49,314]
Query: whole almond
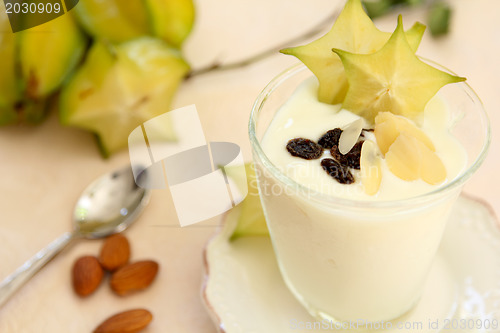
[131,321]
[115,252]
[133,277]
[87,275]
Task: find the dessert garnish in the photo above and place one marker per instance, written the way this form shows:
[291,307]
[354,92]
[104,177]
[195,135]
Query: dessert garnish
[389,126]
[330,138]
[410,159]
[353,31]
[392,79]
[341,173]
[409,152]
[350,135]
[304,148]
[377,76]
[371,169]
[351,159]
[338,166]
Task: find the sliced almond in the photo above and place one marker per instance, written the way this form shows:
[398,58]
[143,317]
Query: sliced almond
[410,159]
[403,158]
[350,135]
[388,126]
[371,171]
[433,170]
[386,133]
[134,277]
[131,321]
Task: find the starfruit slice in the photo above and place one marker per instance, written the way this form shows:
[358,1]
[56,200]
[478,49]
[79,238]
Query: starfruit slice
[119,21]
[34,63]
[171,20]
[10,90]
[250,216]
[392,79]
[120,87]
[353,31]
[113,20]
[48,53]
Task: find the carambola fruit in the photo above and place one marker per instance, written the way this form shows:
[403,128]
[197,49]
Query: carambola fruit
[354,32]
[34,63]
[171,20]
[10,88]
[392,79]
[48,53]
[249,216]
[113,20]
[119,87]
[119,21]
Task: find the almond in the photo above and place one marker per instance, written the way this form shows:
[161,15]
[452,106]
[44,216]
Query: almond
[126,322]
[115,252]
[371,169]
[350,135]
[87,275]
[134,277]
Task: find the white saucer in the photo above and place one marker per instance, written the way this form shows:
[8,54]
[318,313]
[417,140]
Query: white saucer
[245,293]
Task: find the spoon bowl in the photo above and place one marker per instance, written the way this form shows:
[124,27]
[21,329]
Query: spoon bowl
[107,206]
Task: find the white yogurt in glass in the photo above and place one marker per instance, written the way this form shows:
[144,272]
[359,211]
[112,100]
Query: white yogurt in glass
[344,254]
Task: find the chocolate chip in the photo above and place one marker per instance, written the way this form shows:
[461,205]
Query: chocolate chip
[337,171]
[351,159]
[330,138]
[304,148]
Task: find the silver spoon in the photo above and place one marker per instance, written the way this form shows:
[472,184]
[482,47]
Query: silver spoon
[108,205]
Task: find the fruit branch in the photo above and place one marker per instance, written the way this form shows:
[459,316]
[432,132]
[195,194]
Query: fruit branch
[217,66]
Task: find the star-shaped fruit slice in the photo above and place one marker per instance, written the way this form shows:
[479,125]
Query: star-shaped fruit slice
[353,31]
[119,87]
[392,79]
[248,216]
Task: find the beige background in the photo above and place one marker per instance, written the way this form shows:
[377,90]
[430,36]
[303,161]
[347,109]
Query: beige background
[44,169]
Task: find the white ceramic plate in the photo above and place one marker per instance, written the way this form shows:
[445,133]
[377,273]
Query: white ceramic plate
[245,293]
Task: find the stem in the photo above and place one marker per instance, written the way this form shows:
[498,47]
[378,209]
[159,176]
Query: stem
[217,66]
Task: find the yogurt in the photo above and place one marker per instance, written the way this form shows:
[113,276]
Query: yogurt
[344,254]
[304,116]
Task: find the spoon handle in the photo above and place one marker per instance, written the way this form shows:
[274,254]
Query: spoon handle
[14,281]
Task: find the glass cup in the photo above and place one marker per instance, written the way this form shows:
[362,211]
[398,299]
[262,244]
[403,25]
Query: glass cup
[345,259]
